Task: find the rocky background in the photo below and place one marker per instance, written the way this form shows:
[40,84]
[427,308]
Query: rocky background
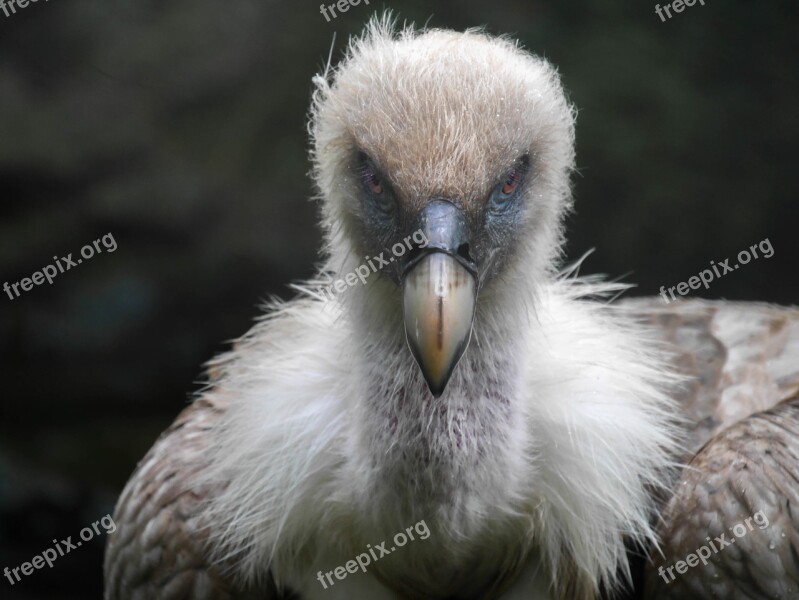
[179,128]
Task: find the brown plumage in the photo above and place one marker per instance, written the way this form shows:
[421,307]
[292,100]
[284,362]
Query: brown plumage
[741,358]
[161,550]
[750,468]
[743,453]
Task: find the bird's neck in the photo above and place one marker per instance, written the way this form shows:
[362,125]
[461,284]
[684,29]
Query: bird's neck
[447,447]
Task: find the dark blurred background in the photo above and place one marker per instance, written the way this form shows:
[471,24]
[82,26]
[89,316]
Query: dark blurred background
[179,127]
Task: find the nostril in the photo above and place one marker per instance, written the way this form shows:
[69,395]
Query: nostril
[463,252]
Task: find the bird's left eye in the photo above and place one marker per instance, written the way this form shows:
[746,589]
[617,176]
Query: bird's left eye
[512,182]
[507,189]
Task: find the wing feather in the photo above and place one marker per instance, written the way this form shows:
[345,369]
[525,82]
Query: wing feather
[744,485]
[158,551]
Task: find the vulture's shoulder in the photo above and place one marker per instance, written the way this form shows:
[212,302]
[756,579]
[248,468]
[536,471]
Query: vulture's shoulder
[740,358]
[159,548]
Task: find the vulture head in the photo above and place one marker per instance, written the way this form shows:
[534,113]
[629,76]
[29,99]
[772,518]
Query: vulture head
[454,149]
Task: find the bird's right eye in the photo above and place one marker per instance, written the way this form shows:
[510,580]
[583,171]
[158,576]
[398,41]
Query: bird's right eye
[372,180]
[377,189]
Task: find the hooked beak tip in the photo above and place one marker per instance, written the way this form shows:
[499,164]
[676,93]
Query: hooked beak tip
[439,297]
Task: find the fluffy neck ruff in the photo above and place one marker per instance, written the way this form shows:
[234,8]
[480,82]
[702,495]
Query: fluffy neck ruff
[550,436]
[557,421]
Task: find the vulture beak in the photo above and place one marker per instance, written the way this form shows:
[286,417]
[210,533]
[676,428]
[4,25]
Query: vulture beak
[439,289]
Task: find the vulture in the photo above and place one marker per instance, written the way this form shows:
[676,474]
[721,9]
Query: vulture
[446,412]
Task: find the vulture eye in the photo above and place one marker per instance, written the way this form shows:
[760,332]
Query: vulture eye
[512,182]
[376,188]
[372,180]
[507,190]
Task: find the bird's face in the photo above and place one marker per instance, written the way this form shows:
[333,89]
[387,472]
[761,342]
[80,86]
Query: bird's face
[459,140]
